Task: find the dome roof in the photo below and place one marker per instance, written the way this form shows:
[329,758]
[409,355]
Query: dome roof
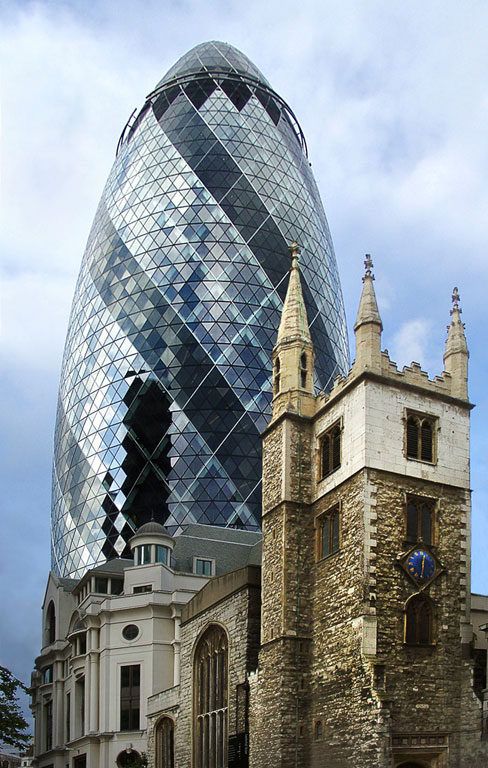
[152,527]
[213,56]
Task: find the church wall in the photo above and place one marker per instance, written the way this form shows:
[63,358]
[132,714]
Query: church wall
[239,615]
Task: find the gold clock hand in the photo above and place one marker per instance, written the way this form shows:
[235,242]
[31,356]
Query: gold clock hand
[423,564]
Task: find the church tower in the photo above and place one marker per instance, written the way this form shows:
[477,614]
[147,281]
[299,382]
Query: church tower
[366,638]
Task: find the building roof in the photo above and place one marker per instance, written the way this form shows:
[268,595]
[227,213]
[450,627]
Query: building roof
[152,527]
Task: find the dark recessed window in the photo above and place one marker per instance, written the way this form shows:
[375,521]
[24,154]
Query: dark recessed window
[51,623]
[130,632]
[418,621]
[143,588]
[420,517]
[303,370]
[130,693]
[330,451]
[116,586]
[277,367]
[328,532]
[420,437]
[101,585]
[48,721]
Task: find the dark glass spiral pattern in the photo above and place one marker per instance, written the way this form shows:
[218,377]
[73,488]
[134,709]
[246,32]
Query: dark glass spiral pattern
[165,385]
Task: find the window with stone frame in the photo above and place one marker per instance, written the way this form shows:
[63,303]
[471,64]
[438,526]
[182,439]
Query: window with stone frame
[419,621]
[210,676]
[165,743]
[420,519]
[328,532]
[420,437]
[330,450]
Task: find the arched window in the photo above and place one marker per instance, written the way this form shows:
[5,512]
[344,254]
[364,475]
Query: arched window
[165,743]
[419,621]
[420,518]
[331,451]
[50,624]
[277,367]
[420,438]
[210,683]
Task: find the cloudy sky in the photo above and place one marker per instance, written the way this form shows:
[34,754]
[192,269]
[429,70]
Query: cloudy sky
[393,100]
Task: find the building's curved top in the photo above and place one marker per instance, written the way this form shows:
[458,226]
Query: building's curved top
[152,527]
[213,56]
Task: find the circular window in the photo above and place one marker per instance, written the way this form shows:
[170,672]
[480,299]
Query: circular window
[130,632]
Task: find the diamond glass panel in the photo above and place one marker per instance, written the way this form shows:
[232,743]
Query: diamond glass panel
[166,378]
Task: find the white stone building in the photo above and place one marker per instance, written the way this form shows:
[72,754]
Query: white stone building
[112,640]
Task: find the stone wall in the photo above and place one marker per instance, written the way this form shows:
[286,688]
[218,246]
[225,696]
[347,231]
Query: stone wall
[238,612]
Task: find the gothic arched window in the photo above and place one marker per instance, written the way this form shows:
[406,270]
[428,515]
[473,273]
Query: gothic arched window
[420,438]
[420,519]
[210,682]
[330,450]
[419,621]
[165,743]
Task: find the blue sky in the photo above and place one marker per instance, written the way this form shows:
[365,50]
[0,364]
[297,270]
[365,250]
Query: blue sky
[393,102]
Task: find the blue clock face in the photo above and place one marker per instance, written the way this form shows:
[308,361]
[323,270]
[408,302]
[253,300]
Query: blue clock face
[421,565]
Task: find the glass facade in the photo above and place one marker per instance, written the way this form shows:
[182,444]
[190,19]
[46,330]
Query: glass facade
[166,378]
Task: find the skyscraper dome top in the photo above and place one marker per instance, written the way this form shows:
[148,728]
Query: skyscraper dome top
[213,56]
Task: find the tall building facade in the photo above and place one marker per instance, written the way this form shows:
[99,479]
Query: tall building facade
[165,387]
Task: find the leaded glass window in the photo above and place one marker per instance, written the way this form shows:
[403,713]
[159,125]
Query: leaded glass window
[418,621]
[330,451]
[211,699]
[420,518]
[165,743]
[329,533]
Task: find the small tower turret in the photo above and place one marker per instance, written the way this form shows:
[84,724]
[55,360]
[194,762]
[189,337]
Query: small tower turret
[368,325]
[456,353]
[293,354]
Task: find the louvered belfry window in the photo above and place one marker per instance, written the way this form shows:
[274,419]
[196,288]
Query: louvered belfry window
[420,436]
[331,451]
[211,699]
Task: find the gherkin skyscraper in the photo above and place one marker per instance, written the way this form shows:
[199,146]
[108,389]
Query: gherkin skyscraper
[165,384]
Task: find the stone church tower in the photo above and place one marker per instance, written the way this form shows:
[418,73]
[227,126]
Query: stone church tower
[365,654]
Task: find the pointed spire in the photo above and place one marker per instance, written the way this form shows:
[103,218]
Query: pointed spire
[456,352]
[368,308]
[294,322]
[293,354]
[368,325]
